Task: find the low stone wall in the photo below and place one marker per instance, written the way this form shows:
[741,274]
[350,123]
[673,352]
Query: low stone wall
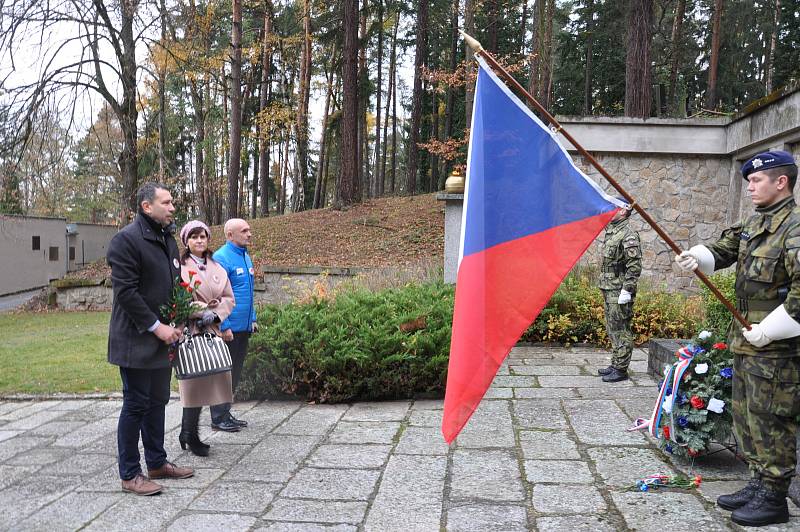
[82,294]
[662,353]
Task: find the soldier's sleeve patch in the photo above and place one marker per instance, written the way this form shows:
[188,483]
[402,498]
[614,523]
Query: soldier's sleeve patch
[632,252]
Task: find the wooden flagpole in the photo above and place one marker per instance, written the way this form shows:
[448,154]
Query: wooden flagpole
[478,49]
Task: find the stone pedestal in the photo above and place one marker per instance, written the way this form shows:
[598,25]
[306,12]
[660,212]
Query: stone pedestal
[453,208]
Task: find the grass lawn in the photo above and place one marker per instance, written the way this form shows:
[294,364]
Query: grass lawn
[56,352]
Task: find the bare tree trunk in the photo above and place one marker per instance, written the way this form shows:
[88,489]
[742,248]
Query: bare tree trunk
[491,12]
[236,111]
[389,96]
[416,105]
[201,175]
[587,73]
[546,64]
[449,102]
[376,174]
[677,34]
[301,123]
[285,172]
[522,26]
[162,106]
[469,28]
[394,125]
[638,73]
[128,158]
[323,143]
[264,136]
[363,101]
[769,68]
[711,91]
[537,48]
[347,191]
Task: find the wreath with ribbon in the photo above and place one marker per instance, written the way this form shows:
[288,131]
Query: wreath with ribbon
[693,408]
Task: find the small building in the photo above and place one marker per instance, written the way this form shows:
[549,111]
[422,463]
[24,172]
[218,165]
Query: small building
[35,250]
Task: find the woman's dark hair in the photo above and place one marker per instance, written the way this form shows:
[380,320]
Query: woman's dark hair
[186,252]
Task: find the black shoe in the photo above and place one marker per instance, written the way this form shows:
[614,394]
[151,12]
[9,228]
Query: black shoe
[226,426]
[605,371]
[767,507]
[192,440]
[238,422]
[615,375]
[740,498]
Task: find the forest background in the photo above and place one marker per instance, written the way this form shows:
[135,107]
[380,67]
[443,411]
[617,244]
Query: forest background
[255,108]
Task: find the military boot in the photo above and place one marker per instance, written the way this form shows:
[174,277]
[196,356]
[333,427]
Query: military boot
[740,498]
[615,375]
[605,371]
[767,507]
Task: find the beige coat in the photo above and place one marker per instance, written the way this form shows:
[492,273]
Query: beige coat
[213,293]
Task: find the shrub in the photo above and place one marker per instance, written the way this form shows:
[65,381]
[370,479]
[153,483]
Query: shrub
[718,317]
[359,345]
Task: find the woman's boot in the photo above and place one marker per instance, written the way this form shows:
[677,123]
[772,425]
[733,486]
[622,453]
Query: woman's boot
[190,433]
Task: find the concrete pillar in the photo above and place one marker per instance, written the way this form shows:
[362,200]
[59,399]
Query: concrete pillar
[453,207]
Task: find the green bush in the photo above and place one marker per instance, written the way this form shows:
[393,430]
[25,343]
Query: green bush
[359,345]
[718,317]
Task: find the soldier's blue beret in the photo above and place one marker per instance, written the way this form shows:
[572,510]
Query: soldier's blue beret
[767,160]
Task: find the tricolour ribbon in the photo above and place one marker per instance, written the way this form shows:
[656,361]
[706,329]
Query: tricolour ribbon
[674,376]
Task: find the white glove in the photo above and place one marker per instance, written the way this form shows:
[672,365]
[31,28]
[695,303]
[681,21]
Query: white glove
[624,297]
[696,257]
[778,325]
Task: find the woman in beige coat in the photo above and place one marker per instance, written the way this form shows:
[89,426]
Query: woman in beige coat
[213,298]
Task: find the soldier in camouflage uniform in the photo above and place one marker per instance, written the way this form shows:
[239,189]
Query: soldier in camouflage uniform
[622,265]
[766,380]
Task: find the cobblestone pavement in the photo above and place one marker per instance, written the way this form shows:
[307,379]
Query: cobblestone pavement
[546,450]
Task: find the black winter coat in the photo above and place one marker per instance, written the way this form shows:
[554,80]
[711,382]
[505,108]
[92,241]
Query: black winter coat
[144,264]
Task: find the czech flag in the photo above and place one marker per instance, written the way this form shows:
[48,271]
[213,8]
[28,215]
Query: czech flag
[529,214]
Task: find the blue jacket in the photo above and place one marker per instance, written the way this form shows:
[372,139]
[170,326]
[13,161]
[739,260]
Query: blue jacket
[239,266]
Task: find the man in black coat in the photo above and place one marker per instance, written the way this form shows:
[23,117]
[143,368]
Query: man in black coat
[144,263]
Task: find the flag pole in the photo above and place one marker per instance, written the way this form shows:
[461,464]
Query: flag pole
[478,50]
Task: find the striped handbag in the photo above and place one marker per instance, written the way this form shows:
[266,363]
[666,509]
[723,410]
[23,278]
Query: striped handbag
[200,355]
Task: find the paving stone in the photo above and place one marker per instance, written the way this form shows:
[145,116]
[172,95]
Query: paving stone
[613,391]
[425,418]
[481,517]
[710,490]
[106,481]
[576,523]
[316,511]
[55,428]
[499,393]
[566,499]
[514,381]
[557,471]
[383,411]
[577,381]
[39,456]
[101,409]
[72,404]
[88,433]
[503,369]
[364,432]
[410,495]
[601,422]
[25,497]
[684,510]
[220,455]
[539,414]
[143,513]
[247,436]
[428,404]
[20,444]
[545,370]
[9,475]
[83,464]
[34,420]
[635,408]
[274,459]
[722,465]
[486,474]
[621,467]
[70,512]
[422,440]
[27,409]
[547,445]
[203,478]
[7,435]
[638,366]
[350,456]
[490,426]
[332,484]
[544,393]
[236,497]
[7,407]
[264,418]
[315,419]
[212,523]
[304,527]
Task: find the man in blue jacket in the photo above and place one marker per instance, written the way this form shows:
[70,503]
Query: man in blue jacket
[234,258]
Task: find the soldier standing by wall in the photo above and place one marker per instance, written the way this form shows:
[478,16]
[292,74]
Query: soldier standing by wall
[766,366]
[622,265]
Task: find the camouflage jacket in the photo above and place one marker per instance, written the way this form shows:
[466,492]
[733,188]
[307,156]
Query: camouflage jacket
[765,249]
[622,258]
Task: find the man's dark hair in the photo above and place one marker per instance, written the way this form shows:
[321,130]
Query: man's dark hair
[147,192]
[790,171]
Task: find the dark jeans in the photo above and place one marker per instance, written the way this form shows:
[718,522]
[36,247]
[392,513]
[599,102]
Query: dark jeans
[145,394]
[238,349]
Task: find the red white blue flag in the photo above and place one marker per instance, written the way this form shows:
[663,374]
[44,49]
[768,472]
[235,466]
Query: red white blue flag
[529,214]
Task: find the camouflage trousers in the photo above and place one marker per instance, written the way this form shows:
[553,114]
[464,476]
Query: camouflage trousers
[766,403]
[618,327]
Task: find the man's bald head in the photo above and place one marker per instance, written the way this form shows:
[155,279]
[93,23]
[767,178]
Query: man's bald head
[237,231]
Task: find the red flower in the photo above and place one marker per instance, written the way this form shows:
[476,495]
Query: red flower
[697,402]
[692,452]
[189,289]
[196,283]
[665,431]
[184,284]
[697,480]
[720,345]
[192,273]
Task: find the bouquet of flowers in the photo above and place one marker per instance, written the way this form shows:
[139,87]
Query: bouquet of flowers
[179,308]
[653,482]
[698,411]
